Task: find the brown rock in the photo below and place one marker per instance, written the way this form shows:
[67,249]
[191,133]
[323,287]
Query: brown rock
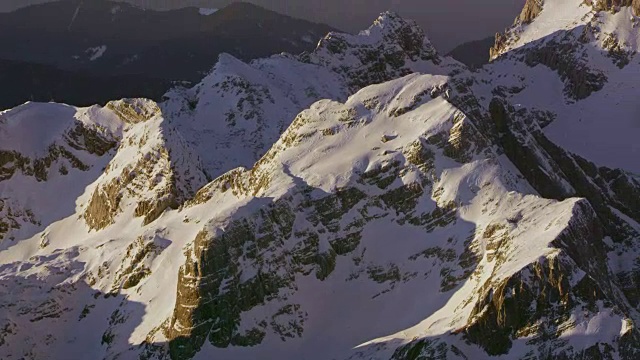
[614,5]
[531,10]
[497,49]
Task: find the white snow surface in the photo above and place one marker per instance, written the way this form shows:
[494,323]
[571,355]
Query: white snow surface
[600,133]
[207,11]
[95,53]
[30,128]
[324,163]
[239,110]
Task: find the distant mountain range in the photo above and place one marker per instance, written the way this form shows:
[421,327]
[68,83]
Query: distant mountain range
[36,82]
[11,5]
[128,51]
[449,23]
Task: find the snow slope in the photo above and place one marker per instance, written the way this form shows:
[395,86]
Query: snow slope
[239,110]
[601,126]
[43,147]
[456,215]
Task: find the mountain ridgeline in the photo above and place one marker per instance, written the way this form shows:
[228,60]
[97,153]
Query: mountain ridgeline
[53,51]
[369,199]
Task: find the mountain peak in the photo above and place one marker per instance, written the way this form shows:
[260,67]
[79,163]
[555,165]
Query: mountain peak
[388,26]
[240,100]
[588,20]
[409,35]
[390,21]
[389,48]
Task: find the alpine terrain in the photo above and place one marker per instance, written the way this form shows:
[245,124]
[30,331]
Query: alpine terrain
[370,199]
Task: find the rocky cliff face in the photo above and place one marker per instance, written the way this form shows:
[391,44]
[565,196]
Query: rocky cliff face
[586,18]
[615,5]
[161,174]
[73,143]
[392,47]
[397,188]
[405,216]
[531,10]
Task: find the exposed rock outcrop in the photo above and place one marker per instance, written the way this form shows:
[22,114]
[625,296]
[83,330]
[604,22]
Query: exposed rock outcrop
[531,10]
[390,48]
[615,5]
[574,279]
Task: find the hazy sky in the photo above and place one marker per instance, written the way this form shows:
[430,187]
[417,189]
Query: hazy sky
[447,22]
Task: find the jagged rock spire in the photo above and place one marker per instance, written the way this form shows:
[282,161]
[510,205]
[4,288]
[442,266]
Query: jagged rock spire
[600,5]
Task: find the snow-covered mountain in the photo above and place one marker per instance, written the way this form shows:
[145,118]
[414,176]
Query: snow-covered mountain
[240,110]
[368,200]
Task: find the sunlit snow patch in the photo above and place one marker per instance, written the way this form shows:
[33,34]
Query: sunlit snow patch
[207,11]
[95,53]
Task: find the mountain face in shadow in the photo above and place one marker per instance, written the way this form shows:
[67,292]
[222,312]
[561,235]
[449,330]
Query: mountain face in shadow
[474,54]
[125,51]
[36,82]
